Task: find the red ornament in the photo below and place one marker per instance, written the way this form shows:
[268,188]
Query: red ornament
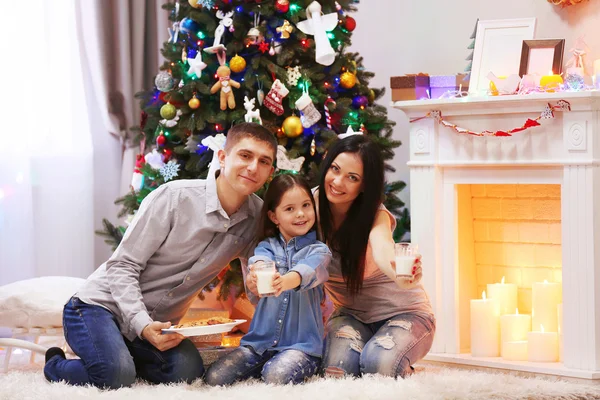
[167,154]
[282,6]
[350,23]
[161,140]
[263,47]
[139,163]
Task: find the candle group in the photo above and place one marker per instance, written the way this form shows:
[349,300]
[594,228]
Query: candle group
[495,330]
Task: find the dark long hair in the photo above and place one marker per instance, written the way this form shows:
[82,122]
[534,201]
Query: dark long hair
[277,188]
[352,237]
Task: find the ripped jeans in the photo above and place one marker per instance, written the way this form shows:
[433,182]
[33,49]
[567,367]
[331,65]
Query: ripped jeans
[386,347]
[274,367]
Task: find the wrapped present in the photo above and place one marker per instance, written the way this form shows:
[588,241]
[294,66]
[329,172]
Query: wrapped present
[441,84]
[410,87]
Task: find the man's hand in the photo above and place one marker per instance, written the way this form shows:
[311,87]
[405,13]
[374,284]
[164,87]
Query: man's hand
[251,281]
[153,334]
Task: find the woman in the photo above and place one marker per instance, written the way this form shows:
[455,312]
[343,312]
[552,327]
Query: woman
[381,324]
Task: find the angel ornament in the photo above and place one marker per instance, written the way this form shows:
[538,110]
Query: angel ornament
[318,25]
[285,164]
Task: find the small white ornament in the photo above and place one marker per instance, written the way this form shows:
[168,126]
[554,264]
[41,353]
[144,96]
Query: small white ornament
[215,143]
[318,25]
[284,163]
[137,181]
[169,170]
[251,114]
[169,123]
[196,65]
[349,132]
[293,74]
[154,159]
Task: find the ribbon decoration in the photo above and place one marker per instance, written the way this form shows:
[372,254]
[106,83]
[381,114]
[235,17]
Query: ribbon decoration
[547,113]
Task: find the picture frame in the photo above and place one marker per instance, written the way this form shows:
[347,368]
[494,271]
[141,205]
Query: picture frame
[498,45]
[542,56]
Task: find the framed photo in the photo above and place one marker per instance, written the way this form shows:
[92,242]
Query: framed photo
[542,56]
[498,45]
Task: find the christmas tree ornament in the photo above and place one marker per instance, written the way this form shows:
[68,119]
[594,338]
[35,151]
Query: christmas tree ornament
[371,96]
[309,113]
[137,180]
[225,85]
[170,170]
[318,25]
[347,80]
[161,140]
[253,35]
[168,111]
[195,3]
[360,101]
[225,21]
[293,75]
[215,143]
[169,123]
[167,153]
[194,103]
[274,99]
[350,23]
[196,65]
[263,47]
[164,81]
[252,115]
[285,164]
[282,6]
[260,94]
[189,26]
[272,50]
[154,159]
[313,147]
[191,144]
[292,127]
[363,129]
[184,55]
[285,30]
[237,64]
[349,132]
[330,104]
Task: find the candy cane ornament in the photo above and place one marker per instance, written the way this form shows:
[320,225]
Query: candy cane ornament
[327,114]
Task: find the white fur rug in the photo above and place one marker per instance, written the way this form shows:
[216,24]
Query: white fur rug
[430,383]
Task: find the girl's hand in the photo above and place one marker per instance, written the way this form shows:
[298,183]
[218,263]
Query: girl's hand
[251,281]
[417,274]
[277,284]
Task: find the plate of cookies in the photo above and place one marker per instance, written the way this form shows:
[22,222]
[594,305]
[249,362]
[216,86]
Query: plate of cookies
[207,326]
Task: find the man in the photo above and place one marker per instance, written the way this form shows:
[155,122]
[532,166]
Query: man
[184,233]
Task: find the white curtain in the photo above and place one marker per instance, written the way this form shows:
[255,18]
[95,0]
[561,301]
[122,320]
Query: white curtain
[46,154]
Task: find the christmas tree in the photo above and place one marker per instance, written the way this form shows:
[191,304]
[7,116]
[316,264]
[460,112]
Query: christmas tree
[277,62]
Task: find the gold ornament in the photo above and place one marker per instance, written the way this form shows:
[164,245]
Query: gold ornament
[237,64]
[285,29]
[371,96]
[184,55]
[292,127]
[194,103]
[348,80]
[195,3]
[313,147]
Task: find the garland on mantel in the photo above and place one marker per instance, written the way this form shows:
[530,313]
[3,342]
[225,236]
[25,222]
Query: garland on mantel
[548,113]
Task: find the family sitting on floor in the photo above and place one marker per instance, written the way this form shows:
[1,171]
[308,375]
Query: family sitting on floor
[334,239]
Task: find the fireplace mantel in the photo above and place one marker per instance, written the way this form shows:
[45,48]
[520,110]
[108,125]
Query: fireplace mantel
[564,150]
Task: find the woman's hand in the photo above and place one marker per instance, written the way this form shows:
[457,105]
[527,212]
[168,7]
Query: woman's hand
[417,274]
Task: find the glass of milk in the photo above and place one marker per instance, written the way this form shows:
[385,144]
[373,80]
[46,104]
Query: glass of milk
[265,270]
[406,254]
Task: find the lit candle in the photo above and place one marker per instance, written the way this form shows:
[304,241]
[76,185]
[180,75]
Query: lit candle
[513,328]
[505,294]
[485,327]
[560,331]
[543,346]
[515,351]
[551,82]
[545,298]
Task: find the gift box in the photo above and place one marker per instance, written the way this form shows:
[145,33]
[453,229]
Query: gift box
[410,87]
[441,84]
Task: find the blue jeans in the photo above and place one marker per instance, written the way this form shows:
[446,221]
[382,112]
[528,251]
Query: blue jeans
[279,368]
[386,347]
[109,360]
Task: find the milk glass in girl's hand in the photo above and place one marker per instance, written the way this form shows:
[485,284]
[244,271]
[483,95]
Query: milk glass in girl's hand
[265,271]
[406,255]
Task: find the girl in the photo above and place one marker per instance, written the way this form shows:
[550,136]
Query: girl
[285,341]
[381,324]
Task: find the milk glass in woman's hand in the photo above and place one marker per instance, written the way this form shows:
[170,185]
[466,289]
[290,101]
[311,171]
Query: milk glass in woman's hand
[264,277]
[406,255]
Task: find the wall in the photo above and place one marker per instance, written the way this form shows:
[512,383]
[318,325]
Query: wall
[409,36]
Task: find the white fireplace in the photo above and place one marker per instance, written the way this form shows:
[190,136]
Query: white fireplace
[526,207]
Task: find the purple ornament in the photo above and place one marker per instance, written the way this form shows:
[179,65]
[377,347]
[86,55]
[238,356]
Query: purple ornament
[360,101]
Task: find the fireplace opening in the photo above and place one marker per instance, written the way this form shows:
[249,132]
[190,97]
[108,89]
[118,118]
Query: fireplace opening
[509,252]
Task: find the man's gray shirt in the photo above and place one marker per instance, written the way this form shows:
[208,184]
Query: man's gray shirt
[178,241]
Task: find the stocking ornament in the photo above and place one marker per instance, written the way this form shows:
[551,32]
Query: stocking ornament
[309,113]
[274,99]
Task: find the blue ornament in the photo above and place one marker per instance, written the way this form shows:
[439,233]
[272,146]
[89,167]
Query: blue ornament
[188,26]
